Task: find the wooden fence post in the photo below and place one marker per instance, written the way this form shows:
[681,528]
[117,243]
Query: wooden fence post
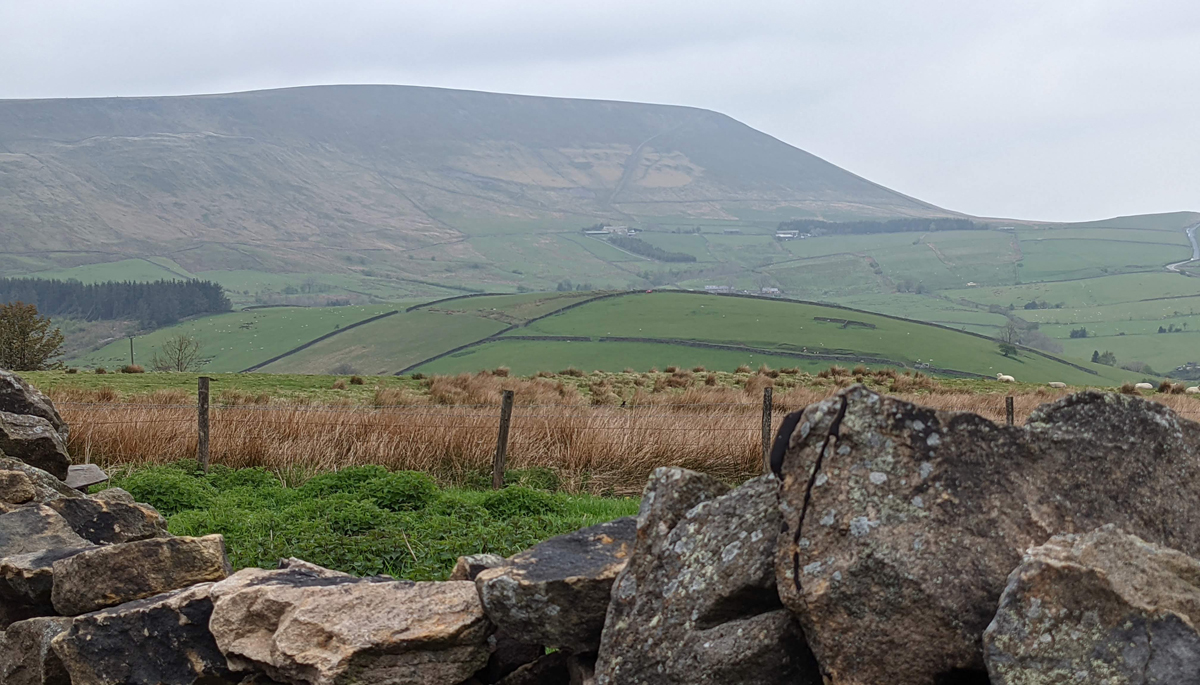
[202,422]
[1008,409]
[766,429]
[131,350]
[502,441]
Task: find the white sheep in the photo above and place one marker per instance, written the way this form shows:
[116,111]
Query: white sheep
[1005,379]
[1144,386]
[1194,390]
[1057,384]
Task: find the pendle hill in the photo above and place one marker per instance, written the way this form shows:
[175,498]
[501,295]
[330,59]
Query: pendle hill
[387,196]
[301,179]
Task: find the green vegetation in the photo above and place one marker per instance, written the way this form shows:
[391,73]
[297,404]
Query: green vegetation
[227,388]
[238,340]
[767,329]
[363,520]
[1108,277]
[654,330]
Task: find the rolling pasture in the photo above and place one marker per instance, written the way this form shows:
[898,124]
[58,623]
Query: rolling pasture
[237,340]
[608,331]
[1108,277]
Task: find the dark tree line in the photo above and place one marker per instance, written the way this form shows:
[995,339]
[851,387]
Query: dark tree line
[645,249]
[159,303]
[817,227]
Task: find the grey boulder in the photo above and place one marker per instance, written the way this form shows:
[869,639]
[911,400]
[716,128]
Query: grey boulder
[162,640]
[470,566]
[902,523]
[26,657]
[16,487]
[697,601]
[105,521]
[311,626]
[35,528]
[19,397]
[27,580]
[114,574]
[34,440]
[114,495]
[1105,607]
[556,593]
[46,487]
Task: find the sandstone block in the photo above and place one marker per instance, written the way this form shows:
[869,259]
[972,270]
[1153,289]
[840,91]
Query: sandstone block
[162,640]
[19,397]
[556,593]
[25,654]
[114,574]
[33,440]
[319,627]
[106,522]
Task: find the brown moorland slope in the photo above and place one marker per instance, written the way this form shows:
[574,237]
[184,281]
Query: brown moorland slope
[274,180]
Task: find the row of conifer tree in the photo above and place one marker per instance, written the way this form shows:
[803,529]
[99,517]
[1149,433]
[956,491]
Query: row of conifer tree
[157,303]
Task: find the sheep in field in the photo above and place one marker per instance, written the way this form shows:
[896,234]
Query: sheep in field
[1005,379]
[1057,384]
[1144,386]
[1194,390]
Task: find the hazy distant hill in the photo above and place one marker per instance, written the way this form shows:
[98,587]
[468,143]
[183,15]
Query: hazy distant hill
[274,179]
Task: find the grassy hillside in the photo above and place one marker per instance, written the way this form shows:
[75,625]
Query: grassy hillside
[237,340]
[662,328]
[423,188]
[589,330]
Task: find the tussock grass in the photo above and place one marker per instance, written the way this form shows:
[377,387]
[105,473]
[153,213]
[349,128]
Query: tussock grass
[598,434]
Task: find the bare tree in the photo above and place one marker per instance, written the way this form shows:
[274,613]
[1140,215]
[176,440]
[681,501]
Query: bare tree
[1010,333]
[178,353]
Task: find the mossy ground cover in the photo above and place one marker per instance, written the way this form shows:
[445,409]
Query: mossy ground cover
[364,520]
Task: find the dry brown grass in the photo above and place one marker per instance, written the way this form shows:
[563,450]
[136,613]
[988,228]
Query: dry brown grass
[594,444]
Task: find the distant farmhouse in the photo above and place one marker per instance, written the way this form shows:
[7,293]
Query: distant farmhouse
[791,235]
[601,229]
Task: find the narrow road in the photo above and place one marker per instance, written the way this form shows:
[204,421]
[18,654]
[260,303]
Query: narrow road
[1191,234]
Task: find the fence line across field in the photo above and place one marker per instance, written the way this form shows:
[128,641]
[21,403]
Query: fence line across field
[535,433]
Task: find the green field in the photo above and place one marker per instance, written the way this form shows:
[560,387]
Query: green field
[528,357]
[237,340]
[1106,276]
[771,331]
[659,329]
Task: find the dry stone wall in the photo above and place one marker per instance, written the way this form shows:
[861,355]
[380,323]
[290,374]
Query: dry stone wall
[897,544]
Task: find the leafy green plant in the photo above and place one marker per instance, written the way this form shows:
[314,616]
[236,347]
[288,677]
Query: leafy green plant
[224,478]
[361,520]
[349,479]
[401,491]
[521,501]
[169,490]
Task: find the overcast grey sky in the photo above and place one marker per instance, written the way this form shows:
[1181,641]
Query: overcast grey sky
[1065,110]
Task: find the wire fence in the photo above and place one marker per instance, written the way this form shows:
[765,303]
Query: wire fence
[595,448]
